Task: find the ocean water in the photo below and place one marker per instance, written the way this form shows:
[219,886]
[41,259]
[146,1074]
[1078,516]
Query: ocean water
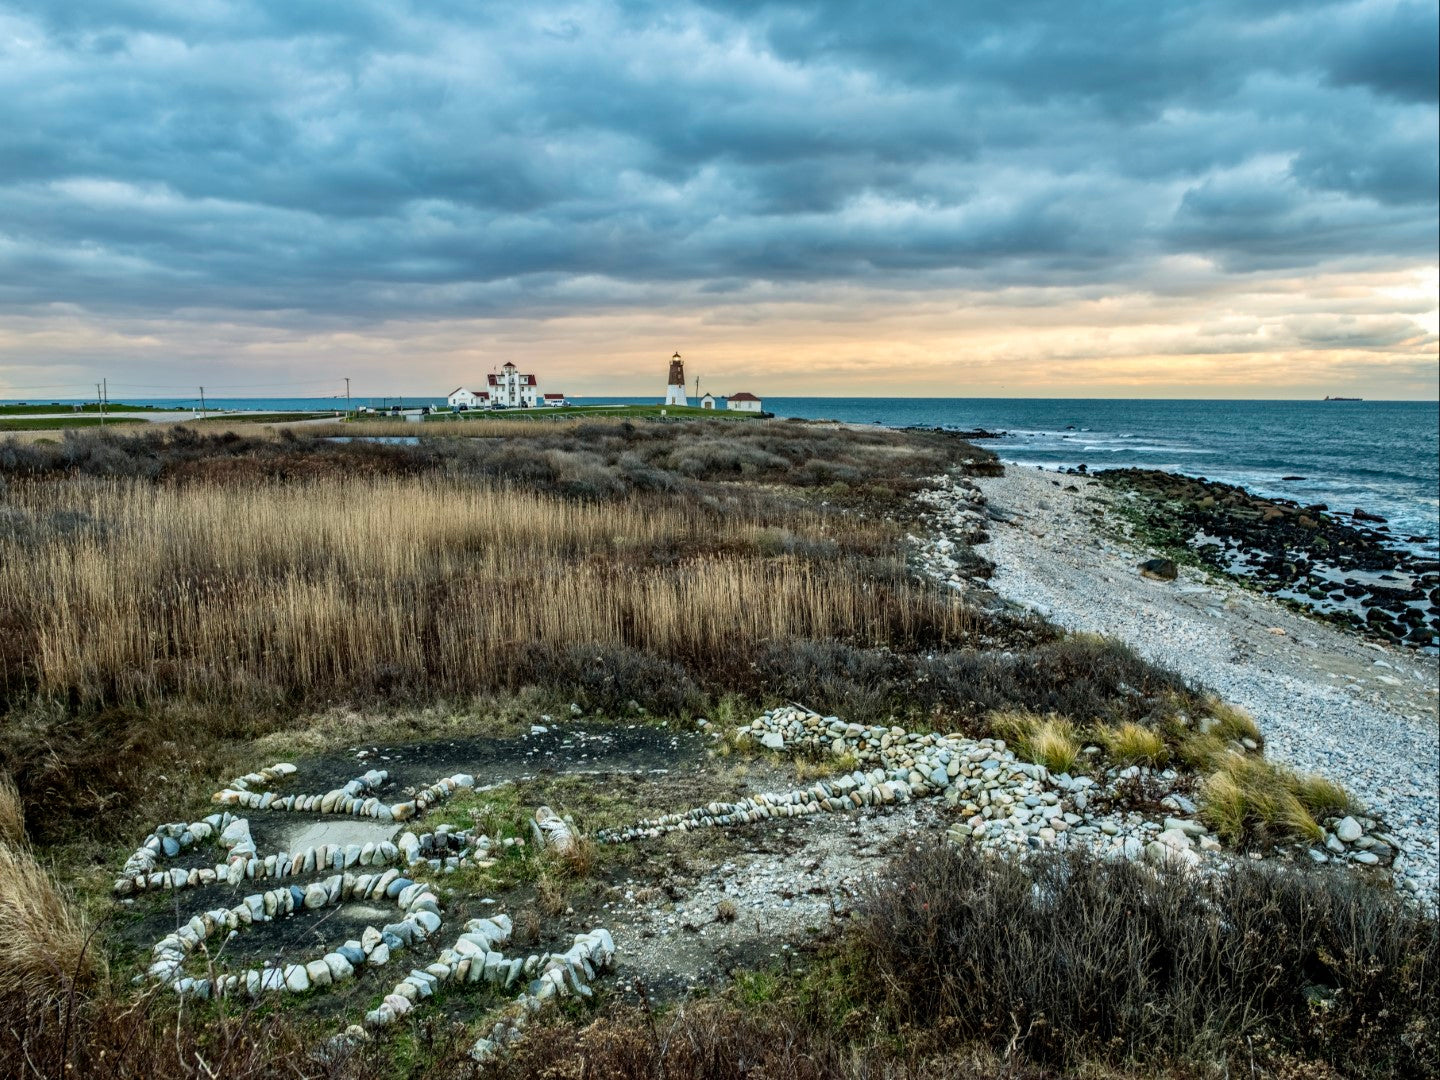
[1381,456]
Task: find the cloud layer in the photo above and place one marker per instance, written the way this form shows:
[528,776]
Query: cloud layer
[298,171]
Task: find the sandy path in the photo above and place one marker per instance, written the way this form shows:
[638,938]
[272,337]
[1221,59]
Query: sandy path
[1327,701]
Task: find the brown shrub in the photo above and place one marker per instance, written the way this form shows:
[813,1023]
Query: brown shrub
[1078,958]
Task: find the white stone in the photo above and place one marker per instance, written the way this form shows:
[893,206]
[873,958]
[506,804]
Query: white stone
[297,979]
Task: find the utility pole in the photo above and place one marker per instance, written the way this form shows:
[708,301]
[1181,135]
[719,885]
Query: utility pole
[347,396]
[202,402]
[100,401]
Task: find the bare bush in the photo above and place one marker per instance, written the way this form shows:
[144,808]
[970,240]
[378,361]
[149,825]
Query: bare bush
[1076,958]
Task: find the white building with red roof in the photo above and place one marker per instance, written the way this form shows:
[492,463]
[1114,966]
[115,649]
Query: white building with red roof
[743,402]
[512,389]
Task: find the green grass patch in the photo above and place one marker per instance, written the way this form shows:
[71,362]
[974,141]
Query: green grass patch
[65,407]
[58,423]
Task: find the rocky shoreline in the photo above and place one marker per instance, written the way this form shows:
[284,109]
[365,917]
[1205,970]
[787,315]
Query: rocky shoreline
[1328,701]
[1344,567]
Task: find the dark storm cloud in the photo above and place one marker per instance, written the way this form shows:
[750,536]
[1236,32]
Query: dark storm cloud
[387,159]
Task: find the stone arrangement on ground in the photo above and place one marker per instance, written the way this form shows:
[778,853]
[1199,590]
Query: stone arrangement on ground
[1005,805]
[364,875]
[987,797]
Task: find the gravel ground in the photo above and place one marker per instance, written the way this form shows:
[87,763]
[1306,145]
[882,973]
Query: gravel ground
[1328,701]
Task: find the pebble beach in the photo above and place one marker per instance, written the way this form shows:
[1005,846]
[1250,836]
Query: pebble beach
[1327,700]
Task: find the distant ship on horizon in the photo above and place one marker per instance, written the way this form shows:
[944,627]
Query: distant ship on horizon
[1329,398]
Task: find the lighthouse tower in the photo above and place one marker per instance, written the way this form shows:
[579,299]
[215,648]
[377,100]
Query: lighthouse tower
[675,391]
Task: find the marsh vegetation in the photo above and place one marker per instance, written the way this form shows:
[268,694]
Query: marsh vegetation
[171,601]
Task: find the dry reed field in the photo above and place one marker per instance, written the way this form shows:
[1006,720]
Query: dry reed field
[210,590]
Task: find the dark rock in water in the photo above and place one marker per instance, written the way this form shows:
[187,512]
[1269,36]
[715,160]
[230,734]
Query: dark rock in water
[1292,478]
[1361,515]
[1160,569]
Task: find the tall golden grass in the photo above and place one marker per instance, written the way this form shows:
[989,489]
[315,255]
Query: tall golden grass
[216,590]
[43,937]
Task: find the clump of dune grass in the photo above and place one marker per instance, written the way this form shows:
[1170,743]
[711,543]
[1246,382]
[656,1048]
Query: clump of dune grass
[1245,796]
[1084,957]
[1132,744]
[44,943]
[1045,740]
[1231,722]
[1322,797]
[1200,752]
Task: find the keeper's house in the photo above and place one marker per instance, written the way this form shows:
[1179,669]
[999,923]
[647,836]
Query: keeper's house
[512,389]
[743,402]
[460,398]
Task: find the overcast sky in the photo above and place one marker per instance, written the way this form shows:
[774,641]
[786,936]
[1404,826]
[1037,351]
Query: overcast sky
[1217,198]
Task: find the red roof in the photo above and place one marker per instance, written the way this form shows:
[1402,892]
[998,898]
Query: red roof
[554,395]
[743,396]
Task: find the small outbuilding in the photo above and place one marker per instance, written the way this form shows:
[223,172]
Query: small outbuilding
[554,399]
[743,402]
[708,401]
[460,398]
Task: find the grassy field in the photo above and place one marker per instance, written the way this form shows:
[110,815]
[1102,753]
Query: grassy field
[587,412]
[209,590]
[65,422]
[89,408]
[179,604]
[262,418]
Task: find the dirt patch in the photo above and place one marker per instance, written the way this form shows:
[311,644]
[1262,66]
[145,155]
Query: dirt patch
[549,748]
